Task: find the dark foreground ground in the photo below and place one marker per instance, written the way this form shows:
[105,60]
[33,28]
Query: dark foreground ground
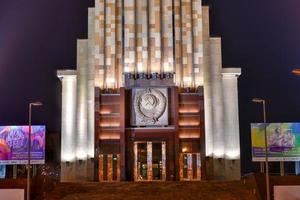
[204,190]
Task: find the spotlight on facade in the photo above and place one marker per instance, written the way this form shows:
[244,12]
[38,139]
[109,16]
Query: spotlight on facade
[232,155]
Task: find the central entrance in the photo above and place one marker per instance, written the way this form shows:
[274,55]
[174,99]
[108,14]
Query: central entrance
[149,161]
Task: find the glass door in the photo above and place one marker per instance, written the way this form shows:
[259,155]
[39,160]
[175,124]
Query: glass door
[149,161]
[109,167]
[190,166]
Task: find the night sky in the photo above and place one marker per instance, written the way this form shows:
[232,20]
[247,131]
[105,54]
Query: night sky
[37,37]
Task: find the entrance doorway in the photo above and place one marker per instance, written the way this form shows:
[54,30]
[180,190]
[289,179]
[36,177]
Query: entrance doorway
[149,161]
[190,167]
[109,167]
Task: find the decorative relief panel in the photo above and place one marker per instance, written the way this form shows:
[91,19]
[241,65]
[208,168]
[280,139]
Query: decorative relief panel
[149,107]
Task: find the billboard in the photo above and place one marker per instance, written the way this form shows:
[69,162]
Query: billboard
[283,141]
[14,145]
[2,171]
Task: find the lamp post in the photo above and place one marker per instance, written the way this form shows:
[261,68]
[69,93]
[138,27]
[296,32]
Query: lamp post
[29,146]
[262,101]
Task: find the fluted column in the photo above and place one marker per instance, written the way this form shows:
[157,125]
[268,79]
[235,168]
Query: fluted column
[141,36]
[129,36]
[217,97]
[231,122]
[155,36]
[167,36]
[91,94]
[68,124]
[217,107]
[187,42]
[99,42]
[178,38]
[207,85]
[82,106]
[110,43]
[197,41]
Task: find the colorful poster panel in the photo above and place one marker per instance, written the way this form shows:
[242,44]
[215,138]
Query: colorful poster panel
[283,141]
[14,145]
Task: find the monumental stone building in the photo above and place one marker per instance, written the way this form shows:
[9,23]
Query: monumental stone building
[149,99]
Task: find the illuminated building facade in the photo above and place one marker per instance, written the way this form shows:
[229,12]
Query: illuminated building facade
[149,99]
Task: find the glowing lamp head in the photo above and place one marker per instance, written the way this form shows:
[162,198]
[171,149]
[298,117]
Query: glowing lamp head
[38,103]
[257,100]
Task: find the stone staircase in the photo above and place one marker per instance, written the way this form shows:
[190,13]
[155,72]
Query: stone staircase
[203,190]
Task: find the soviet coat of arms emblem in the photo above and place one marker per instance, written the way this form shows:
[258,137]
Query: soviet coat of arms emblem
[150,106]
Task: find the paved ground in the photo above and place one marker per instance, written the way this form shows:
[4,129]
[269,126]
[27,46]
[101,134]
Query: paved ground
[204,190]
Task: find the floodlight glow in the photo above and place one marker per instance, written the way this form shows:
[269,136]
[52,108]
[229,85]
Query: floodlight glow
[187,81]
[232,154]
[81,155]
[110,82]
[68,157]
[218,153]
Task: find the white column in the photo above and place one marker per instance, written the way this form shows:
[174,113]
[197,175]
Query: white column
[231,112]
[81,122]
[68,124]
[82,65]
[91,94]
[231,122]
[207,84]
[217,97]
[91,84]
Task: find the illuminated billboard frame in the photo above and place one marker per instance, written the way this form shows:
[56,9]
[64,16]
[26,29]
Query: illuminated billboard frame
[14,145]
[283,141]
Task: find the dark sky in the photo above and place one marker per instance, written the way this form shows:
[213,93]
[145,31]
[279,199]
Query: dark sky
[37,37]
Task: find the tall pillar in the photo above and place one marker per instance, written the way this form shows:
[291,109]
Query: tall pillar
[167,36]
[178,38]
[68,124]
[217,108]
[119,45]
[231,123]
[141,36]
[129,36]
[110,43]
[91,94]
[187,42]
[82,105]
[99,36]
[207,85]
[198,41]
[155,36]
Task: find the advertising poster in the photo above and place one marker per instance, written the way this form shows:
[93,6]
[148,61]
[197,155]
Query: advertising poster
[283,141]
[14,145]
[2,171]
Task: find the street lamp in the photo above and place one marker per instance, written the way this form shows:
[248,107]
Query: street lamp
[262,101]
[29,145]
